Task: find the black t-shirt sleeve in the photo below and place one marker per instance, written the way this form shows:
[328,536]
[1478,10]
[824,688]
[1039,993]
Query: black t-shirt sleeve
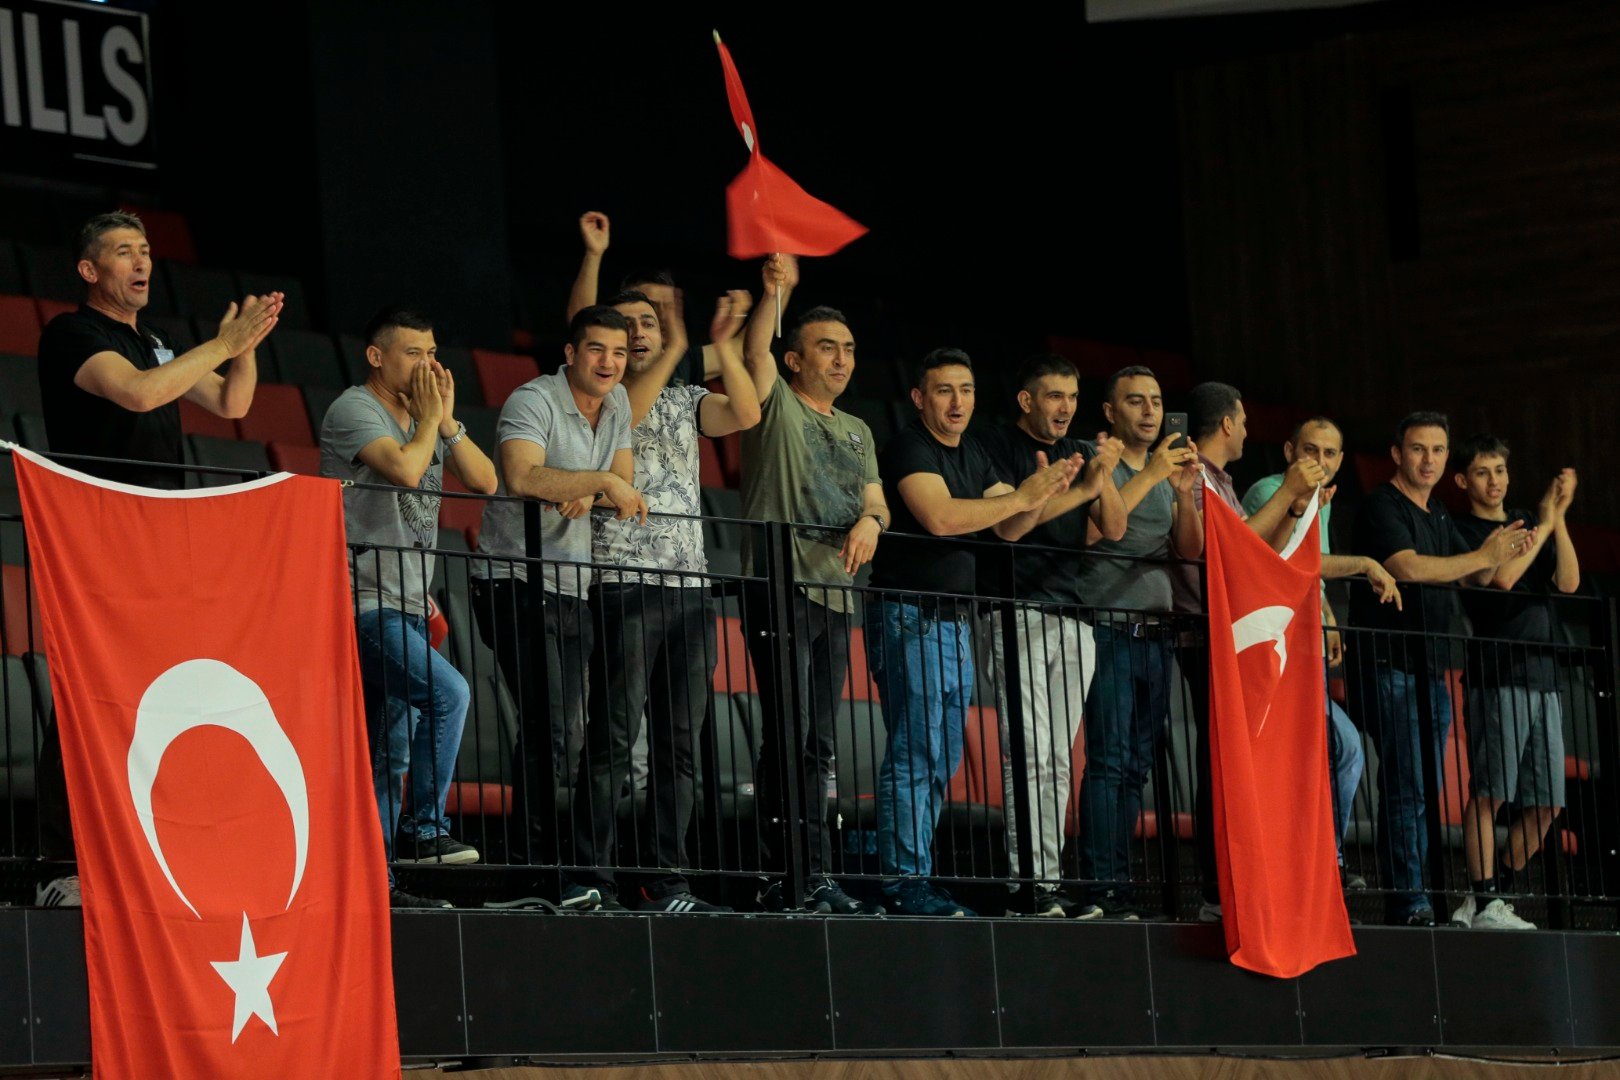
[908,453]
[68,342]
[1385,529]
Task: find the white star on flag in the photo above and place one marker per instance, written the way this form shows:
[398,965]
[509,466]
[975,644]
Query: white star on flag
[249,977]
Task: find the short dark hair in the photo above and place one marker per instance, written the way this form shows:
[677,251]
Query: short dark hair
[1479,446]
[395,317]
[823,313]
[1131,372]
[629,296]
[1208,404]
[938,358]
[1421,419]
[1040,365]
[1314,421]
[646,276]
[88,243]
[595,315]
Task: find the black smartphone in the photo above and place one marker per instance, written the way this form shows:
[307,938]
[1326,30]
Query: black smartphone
[1175,428]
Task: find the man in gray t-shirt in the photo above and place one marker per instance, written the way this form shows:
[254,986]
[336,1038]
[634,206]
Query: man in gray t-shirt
[392,437]
[1129,701]
[565,440]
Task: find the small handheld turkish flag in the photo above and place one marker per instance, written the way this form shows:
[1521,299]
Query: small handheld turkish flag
[766,212]
[207,690]
[1281,904]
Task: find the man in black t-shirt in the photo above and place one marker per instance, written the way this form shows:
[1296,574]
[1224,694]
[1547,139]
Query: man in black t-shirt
[1055,652]
[1515,721]
[111,387]
[918,633]
[1402,526]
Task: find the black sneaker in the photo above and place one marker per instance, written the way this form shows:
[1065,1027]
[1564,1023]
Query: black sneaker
[398,898]
[770,898]
[679,903]
[440,849]
[609,903]
[1114,907]
[1049,904]
[828,899]
[576,897]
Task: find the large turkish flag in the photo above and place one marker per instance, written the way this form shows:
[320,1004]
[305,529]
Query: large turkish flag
[1281,901]
[207,689]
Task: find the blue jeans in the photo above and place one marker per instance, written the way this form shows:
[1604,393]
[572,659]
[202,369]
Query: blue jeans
[923,667]
[1125,716]
[1346,759]
[406,679]
[1403,833]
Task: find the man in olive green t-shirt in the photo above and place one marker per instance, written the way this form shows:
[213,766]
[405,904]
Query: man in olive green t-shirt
[816,467]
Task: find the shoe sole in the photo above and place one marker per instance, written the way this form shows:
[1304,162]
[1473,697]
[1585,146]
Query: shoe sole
[524,903]
[581,903]
[459,858]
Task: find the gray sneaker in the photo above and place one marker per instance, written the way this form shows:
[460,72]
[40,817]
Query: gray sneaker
[61,892]
[1499,915]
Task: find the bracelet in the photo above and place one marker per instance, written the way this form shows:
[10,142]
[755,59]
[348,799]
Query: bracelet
[1294,515]
[458,436]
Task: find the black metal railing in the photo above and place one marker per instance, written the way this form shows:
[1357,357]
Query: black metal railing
[734,728]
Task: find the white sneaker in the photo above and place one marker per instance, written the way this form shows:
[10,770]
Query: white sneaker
[1209,912]
[1498,915]
[63,892]
[1463,914]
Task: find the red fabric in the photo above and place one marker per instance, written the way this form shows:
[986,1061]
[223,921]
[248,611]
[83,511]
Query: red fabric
[766,212]
[1281,903]
[208,691]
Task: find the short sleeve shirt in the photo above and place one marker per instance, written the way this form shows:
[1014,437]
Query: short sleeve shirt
[1129,584]
[1260,493]
[402,522]
[1036,574]
[1523,614]
[1389,522]
[806,467]
[543,411]
[934,566]
[79,422]
[665,445]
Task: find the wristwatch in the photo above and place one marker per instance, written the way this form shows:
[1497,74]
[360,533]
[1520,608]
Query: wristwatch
[458,436]
[883,524]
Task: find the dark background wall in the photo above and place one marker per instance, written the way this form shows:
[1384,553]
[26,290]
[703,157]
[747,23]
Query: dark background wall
[1366,210]
[1419,214]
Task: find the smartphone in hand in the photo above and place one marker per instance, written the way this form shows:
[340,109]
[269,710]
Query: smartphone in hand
[1175,428]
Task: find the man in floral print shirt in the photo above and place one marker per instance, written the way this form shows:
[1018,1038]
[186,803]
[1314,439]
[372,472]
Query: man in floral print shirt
[655,646]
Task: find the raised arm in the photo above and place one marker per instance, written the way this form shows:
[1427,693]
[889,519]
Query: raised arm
[643,387]
[1274,520]
[594,230]
[1187,521]
[781,274]
[1567,574]
[736,408]
[111,376]
[231,395]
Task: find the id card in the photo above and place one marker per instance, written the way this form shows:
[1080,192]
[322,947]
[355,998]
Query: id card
[163,356]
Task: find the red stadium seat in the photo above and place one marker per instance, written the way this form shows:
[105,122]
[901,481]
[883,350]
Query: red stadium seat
[196,420]
[290,457]
[500,373]
[277,415]
[484,799]
[19,326]
[463,514]
[710,474]
[169,233]
[19,606]
[50,309]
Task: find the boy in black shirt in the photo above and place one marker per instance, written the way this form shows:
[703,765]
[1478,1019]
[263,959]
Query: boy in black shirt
[1407,530]
[1515,722]
[918,635]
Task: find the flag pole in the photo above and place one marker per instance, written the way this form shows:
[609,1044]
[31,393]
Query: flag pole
[778,309]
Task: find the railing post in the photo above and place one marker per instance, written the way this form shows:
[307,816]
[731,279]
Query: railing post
[1607,790]
[1012,681]
[541,804]
[1431,760]
[784,661]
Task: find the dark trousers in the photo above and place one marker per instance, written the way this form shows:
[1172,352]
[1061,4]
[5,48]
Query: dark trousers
[822,659]
[55,824]
[655,653]
[549,722]
[1194,660]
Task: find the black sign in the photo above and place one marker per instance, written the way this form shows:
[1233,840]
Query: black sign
[75,86]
